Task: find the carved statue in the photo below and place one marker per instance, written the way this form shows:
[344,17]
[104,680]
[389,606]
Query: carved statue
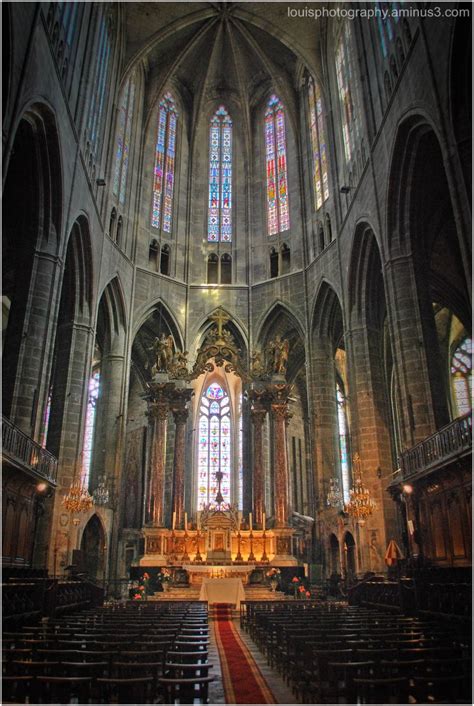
[179,365]
[279,350]
[257,367]
[163,349]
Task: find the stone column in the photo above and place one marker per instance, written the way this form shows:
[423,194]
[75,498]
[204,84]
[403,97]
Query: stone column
[180,415]
[258,413]
[158,410]
[281,417]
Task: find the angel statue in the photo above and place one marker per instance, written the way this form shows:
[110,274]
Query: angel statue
[163,349]
[279,350]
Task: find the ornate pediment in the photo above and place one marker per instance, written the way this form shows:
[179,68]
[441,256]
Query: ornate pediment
[219,349]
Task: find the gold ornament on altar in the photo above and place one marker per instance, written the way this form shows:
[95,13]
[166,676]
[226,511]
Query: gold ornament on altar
[78,499]
[178,368]
[219,346]
[360,505]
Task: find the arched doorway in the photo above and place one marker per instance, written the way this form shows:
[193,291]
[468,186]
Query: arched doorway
[334,559]
[349,556]
[93,549]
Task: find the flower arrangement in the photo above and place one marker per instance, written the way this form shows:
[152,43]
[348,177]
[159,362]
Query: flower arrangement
[295,580]
[165,576]
[273,573]
[140,593]
[308,595]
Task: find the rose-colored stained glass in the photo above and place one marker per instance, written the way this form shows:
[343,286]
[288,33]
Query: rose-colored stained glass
[278,214]
[164,170]
[214,447]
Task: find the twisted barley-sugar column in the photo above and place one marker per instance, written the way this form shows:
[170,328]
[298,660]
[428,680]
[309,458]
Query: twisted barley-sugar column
[281,417]
[158,411]
[258,415]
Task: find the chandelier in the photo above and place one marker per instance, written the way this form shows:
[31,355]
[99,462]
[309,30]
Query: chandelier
[101,493]
[77,498]
[334,496]
[360,505]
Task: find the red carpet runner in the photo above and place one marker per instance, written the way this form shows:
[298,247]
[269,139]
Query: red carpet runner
[243,681]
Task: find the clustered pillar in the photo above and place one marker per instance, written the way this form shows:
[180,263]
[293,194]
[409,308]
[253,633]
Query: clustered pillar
[164,399]
[271,397]
[158,411]
[258,413]
[179,401]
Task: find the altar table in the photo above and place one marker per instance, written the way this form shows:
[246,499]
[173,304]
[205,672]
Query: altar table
[222,591]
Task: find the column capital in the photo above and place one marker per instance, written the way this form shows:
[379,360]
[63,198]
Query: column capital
[180,416]
[280,411]
[158,410]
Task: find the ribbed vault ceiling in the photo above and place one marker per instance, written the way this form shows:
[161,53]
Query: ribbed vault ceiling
[211,49]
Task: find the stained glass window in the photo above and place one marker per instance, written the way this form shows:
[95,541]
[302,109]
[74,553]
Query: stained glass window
[214,452]
[345,81]
[125,118]
[100,82]
[461,376]
[68,19]
[318,144]
[278,213]
[343,441]
[163,173]
[46,418]
[387,10]
[93,395]
[219,226]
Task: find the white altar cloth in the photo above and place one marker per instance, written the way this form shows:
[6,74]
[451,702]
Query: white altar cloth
[222,591]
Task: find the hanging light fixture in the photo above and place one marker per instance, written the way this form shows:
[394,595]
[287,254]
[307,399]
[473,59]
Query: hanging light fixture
[334,496]
[78,498]
[101,493]
[360,505]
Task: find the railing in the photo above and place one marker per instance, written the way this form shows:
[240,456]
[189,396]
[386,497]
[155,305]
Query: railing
[20,448]
[445,444]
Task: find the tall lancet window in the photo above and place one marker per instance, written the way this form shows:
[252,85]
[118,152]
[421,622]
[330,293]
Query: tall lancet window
[124,130]
[343,435]
[318,143]
[278,213]
[163,174]
[93,394]
[220,178]
[214,452]
[100,82]
[347,92]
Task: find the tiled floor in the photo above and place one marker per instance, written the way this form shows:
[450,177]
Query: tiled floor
[283,694]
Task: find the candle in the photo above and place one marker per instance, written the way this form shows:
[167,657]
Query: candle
[186,521]
[250,521]
[239,520]
[199,520]
[173,524]
[263,522]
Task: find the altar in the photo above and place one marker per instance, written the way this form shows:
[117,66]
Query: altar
[222,591]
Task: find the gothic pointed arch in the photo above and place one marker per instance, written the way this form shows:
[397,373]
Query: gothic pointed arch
[280,321]
[31,235]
